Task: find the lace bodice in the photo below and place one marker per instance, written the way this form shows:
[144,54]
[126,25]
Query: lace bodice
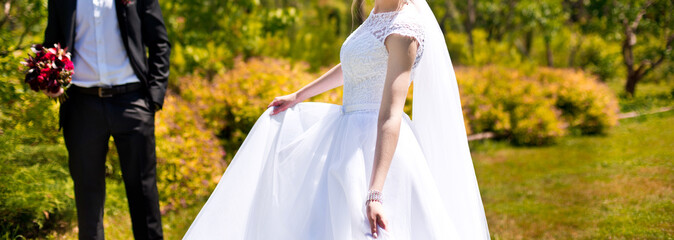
[364,56]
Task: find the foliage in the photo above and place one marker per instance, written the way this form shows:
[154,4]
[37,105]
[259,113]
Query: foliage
[189,159]
[231,103]
[586,104]
[208,35]
[22,23]
[36,195]
[505,102]
[33,170]
[535,107]
[600,57]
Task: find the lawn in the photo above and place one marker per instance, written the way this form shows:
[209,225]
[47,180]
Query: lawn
[617,186]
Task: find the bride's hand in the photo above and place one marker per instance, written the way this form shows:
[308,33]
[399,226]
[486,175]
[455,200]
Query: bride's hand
[375,215]
[282,103]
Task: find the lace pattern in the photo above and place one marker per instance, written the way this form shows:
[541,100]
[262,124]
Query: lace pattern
[364,56]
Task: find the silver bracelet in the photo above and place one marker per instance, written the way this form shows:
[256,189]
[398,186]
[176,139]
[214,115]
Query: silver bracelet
[374,196]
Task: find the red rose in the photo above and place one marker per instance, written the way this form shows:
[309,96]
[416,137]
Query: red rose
[68,65]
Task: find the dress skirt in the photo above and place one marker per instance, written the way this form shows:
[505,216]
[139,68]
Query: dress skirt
[304,174]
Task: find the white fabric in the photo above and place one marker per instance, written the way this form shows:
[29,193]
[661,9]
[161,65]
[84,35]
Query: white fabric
[100,59]
[304,174]
[438,119]
[364,55]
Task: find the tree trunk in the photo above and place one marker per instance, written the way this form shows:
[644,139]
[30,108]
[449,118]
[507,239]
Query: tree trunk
[470,23]
[450,16]
[631,84]
[548,51]
[526,45]
[634,73]
[574,49]
[7,8]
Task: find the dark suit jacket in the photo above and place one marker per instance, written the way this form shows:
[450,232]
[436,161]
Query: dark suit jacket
[141,25]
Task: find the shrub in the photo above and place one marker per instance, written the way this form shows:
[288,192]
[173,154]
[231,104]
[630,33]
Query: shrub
[36,195]
[232,102]
[189,158]
[36,191]
[533,107]
[586,104]
[505,102]
[600,57]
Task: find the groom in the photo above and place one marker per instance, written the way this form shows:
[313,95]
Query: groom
[116,89]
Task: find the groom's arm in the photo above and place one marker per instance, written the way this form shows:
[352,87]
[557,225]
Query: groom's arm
[156,40]
[53,33]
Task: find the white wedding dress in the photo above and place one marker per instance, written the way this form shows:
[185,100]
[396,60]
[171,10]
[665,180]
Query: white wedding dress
[304,173]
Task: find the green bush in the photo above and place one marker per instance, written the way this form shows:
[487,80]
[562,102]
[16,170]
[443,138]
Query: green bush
[600,57]
[232,102]
[36,195]
[586,104]
[536,106]
[190,160]
[36,192]
[503,101]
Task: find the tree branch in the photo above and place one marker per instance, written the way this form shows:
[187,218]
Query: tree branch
[653,65]
[641,14]
[8,7]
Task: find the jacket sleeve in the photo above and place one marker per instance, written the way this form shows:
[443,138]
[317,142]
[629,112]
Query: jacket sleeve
[53,33]
[156,40]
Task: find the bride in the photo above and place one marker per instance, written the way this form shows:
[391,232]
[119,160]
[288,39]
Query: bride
[361,170]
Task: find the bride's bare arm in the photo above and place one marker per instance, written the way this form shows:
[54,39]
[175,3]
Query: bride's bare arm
[402,52]
[331,79]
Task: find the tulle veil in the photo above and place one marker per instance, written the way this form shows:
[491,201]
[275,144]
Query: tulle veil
[440,129]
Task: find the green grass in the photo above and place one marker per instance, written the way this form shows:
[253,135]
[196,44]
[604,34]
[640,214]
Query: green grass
[617,186]
[648,95]
[117,222]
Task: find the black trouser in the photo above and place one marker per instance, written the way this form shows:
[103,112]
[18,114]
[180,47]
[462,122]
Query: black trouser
[88,122]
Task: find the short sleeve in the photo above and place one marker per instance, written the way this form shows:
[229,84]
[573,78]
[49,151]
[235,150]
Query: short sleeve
[406,25]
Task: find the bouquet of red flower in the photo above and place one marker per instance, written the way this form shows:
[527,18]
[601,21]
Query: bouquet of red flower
[49,70]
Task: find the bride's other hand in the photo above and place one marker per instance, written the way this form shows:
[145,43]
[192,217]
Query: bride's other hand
[375,216]
[282,103]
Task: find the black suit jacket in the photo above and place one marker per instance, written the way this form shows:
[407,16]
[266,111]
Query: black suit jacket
[141,25]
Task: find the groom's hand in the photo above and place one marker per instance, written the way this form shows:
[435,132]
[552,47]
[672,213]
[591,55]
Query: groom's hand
[282,103]
[53,95]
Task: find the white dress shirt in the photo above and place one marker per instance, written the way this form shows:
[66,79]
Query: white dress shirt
[99,56]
